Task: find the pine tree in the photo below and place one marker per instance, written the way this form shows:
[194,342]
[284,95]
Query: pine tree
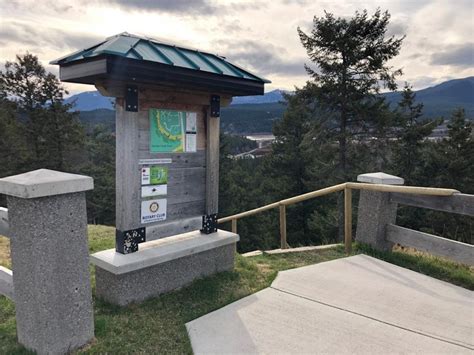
[458,151]
[53,134]
[351,56]
[412,129]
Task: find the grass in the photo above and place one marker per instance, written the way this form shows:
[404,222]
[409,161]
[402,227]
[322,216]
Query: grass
[158,325]
[439,268]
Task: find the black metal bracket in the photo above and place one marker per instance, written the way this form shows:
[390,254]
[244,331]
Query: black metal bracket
[209,223]
[131,98]
[126,242]
[215,106]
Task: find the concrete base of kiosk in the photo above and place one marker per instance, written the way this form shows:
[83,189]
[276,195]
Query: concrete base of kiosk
[162,265]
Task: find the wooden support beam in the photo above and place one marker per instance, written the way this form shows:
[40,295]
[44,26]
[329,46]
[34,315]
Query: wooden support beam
[127,172]
[348,220]
[460,252]
[234,226]
[457,203]
[283,243]
[212,163]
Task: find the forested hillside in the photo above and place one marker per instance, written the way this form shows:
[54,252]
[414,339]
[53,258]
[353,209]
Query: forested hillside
[322,137]
[260,115]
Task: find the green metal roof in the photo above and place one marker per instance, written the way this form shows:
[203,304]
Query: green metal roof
[145,49]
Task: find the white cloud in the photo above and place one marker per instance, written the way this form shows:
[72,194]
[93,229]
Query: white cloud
[260,35]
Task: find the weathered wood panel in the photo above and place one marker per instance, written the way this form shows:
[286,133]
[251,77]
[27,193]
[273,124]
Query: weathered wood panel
[186,197]
[185,210]
[212,161]
[179,160]
[461,252]
[172,228]
[457,203]
[127,169]
[4,226]
[186,193]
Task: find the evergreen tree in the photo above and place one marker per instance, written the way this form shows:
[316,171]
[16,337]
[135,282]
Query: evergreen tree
[53,134]
[100,150]
[450,163]
[411,131]
[13,147]
[351,56]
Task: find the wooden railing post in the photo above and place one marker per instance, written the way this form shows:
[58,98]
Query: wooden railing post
[348,219]
[283,243]
[234,226]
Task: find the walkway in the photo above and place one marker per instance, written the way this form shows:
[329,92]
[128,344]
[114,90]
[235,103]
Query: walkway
[353,305]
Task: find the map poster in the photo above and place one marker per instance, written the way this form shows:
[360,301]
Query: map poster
[153,210]
[167,131]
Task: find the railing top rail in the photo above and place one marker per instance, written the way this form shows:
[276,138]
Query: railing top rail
[431,191]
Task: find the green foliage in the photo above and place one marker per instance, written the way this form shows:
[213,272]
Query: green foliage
[50,136]
[438,268]
[411,131]
[100,165]
[351,56]
[232,144]
[158,325]
[250,118]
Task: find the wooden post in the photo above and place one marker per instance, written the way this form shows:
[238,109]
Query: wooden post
[283,243]
[212,161]
[234,226]
[127,172]
[348,219]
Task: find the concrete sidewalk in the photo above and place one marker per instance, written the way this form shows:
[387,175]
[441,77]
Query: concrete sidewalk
[352,305]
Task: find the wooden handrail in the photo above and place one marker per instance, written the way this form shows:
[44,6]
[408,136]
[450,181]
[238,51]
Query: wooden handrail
[432,191]
[347,187]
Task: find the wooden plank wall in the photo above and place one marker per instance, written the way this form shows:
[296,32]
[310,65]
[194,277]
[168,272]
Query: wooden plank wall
[186,198]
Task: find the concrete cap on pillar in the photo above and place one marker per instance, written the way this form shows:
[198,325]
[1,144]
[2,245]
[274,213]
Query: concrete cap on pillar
[44,182]
[380,178]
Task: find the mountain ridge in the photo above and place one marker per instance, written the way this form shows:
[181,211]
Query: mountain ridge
[455,91]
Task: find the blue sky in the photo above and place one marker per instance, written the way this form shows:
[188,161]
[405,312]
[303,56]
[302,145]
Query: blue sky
[258,35]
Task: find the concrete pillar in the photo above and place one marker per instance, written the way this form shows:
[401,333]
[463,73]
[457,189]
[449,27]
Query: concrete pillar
[376,211]
[50,259]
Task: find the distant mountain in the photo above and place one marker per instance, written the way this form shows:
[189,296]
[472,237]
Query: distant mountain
[442,99]
[256,114]
[93,100]
[90,100]
[268,97]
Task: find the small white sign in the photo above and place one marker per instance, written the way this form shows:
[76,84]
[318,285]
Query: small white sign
[191,122]
[191,142]
[145,176]
[154,190]
[154,161]
[153,211]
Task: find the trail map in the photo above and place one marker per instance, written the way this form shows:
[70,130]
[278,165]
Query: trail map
[167,131]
